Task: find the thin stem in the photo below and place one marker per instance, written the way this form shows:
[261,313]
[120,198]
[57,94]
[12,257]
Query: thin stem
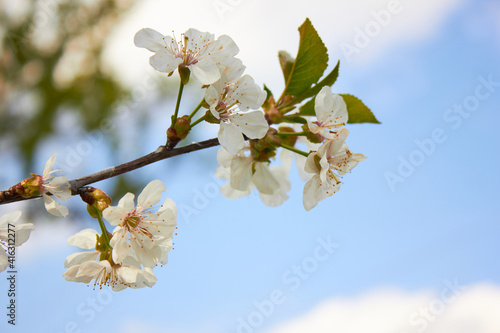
[160,154]
[196,122]
[178,103]
[196,109]
[103,228]
[292,133]
[300,152]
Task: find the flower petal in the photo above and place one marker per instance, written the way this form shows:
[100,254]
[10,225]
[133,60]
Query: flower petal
[247,94]
[85,239]
[23,232]
[205,71]
[164,61]
[330,107]
[79,258]
[263,178]
[90,269]
[241,173]
[151,195]
[48,165]
[127,202]
[150,39]
[225,46]
[60,188]
[231,193]
[121,248]
[279,196]
[53,207]
[224,157]
[11,218]
[253,123]
[230,138]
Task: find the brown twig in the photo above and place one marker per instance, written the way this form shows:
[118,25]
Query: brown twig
[159,154]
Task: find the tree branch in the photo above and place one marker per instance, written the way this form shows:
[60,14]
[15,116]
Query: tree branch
[159,154]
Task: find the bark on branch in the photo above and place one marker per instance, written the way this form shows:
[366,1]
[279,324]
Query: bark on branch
[159,154]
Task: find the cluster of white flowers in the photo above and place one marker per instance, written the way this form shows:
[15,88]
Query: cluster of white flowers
[333,154]
[140,241]
[233,99]
[250,139]
[197,51]
[244,172]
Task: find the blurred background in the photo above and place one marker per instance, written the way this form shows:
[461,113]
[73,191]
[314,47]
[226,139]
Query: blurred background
[409,244]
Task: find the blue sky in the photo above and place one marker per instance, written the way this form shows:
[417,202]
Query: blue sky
[440,224]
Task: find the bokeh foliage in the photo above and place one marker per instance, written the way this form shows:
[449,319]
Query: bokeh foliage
[50,61]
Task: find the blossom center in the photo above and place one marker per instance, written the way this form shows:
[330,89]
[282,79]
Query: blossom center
[132,220]
[133,224]
[189,56]
[106,277]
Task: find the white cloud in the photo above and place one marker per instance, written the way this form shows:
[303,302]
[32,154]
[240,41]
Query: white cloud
[262,28]
[473,309]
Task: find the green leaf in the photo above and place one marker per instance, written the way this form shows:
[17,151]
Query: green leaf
[286,63]
[308,108]
[329,80]
[358,111]
[310,63]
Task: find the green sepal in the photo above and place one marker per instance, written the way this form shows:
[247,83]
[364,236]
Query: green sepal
[209,117]
[184,73]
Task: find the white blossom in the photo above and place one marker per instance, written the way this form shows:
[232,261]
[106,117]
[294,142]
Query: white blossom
[198,51]
[333,155]
[141,233]
[331,113]
[232,103]
[97,266]
[59,187]
[12,234]
[245,174]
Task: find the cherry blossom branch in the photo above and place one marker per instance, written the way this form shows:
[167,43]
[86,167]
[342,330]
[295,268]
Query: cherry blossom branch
[159,154]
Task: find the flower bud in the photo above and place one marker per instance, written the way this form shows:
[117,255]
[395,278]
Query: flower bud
[97,200]
[30,187]
[178,132]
